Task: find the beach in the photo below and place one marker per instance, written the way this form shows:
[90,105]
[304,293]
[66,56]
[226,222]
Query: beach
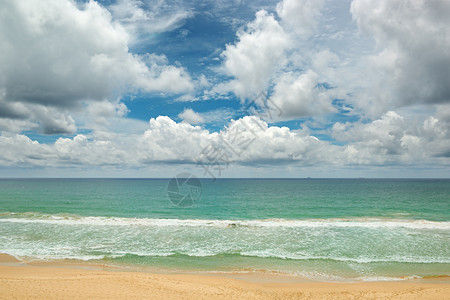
[243,239]
[53,281]
[323,230]
[266,149]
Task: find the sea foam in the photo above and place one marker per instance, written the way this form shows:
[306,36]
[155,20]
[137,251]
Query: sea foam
[288,223]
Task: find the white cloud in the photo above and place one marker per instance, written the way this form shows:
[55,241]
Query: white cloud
[143,19]
[191,117]
[249,141]
[168,141]
[82,151]
[157,77]
[382,136]
[16,126]
[64,65]
[272,56]
[253,141]
[218,116]
[411,62]
[58,54]
[300,16]
[101,113]
[394,139]
[299,95]
[256,56]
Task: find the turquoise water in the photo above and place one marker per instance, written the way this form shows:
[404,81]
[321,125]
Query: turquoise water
[326,229]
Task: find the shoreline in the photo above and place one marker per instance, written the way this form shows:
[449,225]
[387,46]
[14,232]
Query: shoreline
[257,275]
[40,279]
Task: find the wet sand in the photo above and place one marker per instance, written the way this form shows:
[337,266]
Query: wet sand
[20,280]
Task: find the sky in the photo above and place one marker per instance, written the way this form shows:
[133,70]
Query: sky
[290,88]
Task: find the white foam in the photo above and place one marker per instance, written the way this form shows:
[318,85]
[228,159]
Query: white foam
[386,278]
[26,256]
[309,223]
[360,260]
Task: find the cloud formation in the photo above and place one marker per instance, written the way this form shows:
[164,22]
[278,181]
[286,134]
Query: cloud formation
[300,16]
[191,117]
[413,42]
[247,141]
[141,19]
[356,83]
[57,54]
[300,95]
[259,52]
[265,55]
[410,61]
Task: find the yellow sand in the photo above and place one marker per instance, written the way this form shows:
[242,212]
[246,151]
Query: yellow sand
[50,281]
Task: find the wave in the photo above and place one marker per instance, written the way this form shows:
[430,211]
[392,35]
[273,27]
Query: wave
[259,254]
[117,261]
[359,260]
[322,276]
[143,256]
[68,219]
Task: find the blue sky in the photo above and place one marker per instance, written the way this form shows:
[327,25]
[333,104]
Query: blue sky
[289,88]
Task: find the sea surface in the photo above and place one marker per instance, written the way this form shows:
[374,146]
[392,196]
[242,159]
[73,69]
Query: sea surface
[323,229]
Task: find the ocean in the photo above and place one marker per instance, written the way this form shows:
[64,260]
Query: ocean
[323,229]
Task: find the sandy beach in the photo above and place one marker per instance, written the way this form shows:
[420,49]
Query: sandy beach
[52,281]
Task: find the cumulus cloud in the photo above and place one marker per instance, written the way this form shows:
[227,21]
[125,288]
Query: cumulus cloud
[250,140]
[16,125]
[411,63]
[53,121]
[191,117]
[58,54]
[65,64]
[20,150]
[300,95]
[271,56]
[17,117]
[12,110]
[379,138]
[408,65]
[394,139]
[259,52]
[168,141]
[102,113]
[247,141]
[300,16]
